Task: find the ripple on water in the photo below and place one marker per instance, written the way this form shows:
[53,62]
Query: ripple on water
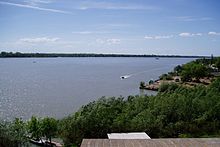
[59,86]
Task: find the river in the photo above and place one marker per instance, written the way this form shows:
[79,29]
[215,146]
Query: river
[57,87]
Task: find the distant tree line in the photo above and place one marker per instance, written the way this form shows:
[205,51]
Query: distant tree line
[23,55]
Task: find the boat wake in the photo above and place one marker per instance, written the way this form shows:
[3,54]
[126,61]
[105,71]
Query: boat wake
[137,73]
[125,76]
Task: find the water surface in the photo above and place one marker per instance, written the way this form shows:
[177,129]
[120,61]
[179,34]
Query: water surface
[59,86]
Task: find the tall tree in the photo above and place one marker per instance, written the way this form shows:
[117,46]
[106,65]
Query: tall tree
[217,64]
[18,131]
[49,127]
[34,127]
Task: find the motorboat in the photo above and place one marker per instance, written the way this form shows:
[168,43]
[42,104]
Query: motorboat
[124,77]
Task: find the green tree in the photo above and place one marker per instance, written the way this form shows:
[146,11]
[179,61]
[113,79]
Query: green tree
[49,127]
[142,84]
[176,111]
[5,136]
[18,131]
[217,63]
[194,70]
[178,69]
[34,127]
[166,77]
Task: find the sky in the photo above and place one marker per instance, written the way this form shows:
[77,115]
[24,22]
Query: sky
[163,27]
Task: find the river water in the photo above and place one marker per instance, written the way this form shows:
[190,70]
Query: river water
[57,87]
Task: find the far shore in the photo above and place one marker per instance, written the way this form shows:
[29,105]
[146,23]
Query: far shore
[54,55]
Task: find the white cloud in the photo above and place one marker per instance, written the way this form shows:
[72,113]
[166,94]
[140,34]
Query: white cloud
[37,2]
[159,37]
[35,7]
[111,41]
[187,34]
[164,37]
[213,33]
[198,34]
[192,18]
[113,6]
[100,41]
[83,32]
[89,32]
[39,40]
[149,37]
[106,28]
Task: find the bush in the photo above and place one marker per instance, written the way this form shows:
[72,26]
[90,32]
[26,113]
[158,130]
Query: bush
[166,77]
[168,87]
[178,69]
[194,70]
[175,112]
[142,84]
[163,87]
[217,63]
[13,133]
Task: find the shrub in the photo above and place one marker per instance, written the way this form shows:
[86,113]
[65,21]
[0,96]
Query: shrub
[142,84]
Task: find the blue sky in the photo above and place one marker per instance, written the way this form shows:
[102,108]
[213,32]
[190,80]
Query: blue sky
[181,27]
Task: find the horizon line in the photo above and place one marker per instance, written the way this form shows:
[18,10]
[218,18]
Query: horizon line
[108,54]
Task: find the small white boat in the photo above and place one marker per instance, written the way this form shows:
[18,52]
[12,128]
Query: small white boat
[125,77]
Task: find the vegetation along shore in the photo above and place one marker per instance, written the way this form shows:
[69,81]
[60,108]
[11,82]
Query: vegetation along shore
[54,55]
[198,72]
[189,109]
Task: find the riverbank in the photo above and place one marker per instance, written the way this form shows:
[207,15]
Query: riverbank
[198,72]
[155,85]
[177,112]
